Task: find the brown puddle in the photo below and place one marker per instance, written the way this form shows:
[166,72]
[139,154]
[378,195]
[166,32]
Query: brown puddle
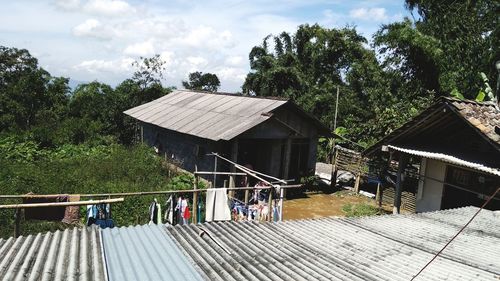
[318,205]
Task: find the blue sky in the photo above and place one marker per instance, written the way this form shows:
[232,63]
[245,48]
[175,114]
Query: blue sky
[90,40]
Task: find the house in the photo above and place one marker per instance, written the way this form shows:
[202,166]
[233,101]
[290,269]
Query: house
[366,248]
[448,156]
[273,136]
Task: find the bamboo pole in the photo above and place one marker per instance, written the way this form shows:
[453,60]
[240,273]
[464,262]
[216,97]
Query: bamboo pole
[61,204]
[220,173]
[250,171]
[144,193]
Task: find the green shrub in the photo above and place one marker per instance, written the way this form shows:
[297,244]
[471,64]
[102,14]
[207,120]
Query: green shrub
[83,169]
[359,210]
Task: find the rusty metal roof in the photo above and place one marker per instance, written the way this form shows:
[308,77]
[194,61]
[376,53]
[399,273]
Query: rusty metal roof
[207,115]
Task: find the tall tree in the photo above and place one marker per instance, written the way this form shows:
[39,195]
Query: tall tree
[202,81]
[447,47]
[27,92]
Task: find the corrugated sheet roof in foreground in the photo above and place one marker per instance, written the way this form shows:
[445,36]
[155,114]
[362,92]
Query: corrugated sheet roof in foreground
[448,159]
[392,247]
[206,115]
[62,255]
[145,253]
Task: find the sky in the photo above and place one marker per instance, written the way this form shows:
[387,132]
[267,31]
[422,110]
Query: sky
[89,40]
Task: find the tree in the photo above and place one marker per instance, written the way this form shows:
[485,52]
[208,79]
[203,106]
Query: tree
[446,48]
[202,81]
[149,71]
[27,91]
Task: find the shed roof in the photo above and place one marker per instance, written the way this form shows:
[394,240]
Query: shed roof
[484,118]
[389,247]
[448,159]
[212,116]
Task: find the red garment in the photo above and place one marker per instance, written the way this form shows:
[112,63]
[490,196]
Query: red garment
[187,214]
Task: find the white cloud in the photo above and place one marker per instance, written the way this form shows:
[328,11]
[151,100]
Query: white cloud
[108,7]
[93,28]
[122,65]
[370,14]
[143,49]
[234,60]
[68,5]
[197,61]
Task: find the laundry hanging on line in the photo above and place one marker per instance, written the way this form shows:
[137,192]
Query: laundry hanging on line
[155,212]
[216,207]
[100,214]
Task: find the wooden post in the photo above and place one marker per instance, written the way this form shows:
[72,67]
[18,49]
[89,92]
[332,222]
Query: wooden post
[247,194]
[288,151]
[281,203]
[333,178]
[356,183]
[378,197]
[234,158]
[270,204]
[17,218]
[142,134]
[399,183]
[231,185]
[195,197]
[215,170]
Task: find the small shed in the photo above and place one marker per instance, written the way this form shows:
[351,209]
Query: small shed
[273,136]
[448,156]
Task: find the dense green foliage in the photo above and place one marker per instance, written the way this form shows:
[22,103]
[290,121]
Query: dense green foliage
[442,51]
[202,81]
[77,169]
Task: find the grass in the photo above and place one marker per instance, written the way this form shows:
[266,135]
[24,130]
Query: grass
[360,210]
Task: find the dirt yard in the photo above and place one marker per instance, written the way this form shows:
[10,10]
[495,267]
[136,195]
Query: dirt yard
[318,205]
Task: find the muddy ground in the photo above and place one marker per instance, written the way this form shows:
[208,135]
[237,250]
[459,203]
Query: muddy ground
[317,205]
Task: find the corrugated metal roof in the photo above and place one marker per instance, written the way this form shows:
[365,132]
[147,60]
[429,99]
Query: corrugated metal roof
[391,247]
[145,253]
[62,255]
[448,159]
[206,115]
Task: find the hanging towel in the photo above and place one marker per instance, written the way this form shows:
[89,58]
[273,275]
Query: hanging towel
[169,212]
[158,213]
[72,213]
[217,208]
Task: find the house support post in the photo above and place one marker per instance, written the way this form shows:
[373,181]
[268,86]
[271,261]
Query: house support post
[234,158]
[288,152]
[333,178]
[270,204]
[403,159]
[356,183]
[378,197]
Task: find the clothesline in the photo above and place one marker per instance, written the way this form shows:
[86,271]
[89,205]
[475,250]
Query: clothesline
[60,204]
[143,193]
